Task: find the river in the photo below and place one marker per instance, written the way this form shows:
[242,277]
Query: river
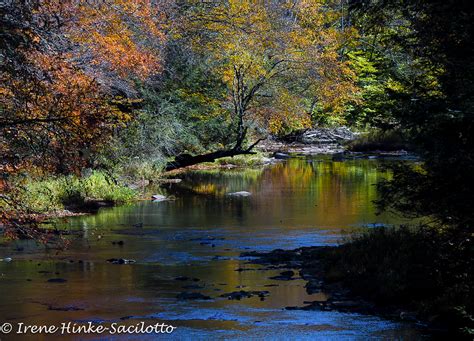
[193,244]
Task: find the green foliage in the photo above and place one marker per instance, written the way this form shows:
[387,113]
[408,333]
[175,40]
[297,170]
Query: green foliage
[181,114]
[60,192]
[426,59]
[243,160]
[388,140]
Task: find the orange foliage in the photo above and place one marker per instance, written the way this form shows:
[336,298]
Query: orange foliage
[124,36]
[55,106]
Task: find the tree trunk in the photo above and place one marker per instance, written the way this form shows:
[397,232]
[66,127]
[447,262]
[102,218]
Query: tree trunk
[185,160]
[241,97]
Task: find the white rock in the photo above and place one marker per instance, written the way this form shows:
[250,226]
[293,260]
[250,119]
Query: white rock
[158,197]
[240,194]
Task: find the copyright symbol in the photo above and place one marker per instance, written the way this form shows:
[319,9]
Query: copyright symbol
[6,328]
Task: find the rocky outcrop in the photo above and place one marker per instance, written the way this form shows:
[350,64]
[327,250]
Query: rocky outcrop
[326,135]
[320,136]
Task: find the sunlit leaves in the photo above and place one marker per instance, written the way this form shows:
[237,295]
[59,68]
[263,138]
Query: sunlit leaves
[279,60]
[122,36]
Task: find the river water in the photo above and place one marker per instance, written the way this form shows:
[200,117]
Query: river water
[198,238]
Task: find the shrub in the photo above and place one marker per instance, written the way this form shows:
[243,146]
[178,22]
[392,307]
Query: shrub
[427,269]
[388,140]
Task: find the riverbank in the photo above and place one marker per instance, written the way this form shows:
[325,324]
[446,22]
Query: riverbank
[66,196]
[397,273]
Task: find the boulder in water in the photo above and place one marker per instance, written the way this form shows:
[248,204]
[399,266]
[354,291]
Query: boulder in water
[281,156]
[159,197]
[239,194]
[192,296]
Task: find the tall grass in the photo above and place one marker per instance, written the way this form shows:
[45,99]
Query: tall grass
[250,160]
[56,193]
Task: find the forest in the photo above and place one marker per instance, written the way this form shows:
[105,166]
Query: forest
[100,98]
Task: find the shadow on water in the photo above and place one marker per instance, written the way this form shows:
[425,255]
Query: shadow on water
[198,238]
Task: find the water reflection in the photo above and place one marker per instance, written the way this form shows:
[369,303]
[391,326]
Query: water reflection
[201,234]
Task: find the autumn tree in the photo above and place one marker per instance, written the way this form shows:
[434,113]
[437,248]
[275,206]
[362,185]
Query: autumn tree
[281,63]
[64,64]
[68,70]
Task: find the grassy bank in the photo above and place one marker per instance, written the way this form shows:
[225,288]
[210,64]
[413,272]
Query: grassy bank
[52,194]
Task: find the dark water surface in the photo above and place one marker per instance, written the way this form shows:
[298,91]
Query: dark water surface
[200,234]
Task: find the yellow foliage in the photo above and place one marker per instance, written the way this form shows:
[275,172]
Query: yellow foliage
[288,51]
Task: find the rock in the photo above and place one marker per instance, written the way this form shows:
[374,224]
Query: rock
[185,278]
[66,308]
[408,316]
[238,295]
[281,156]
[192,296]
[159,197]
[193,286]
[169,181]
[345,304]
[313,286]
[268,161]
[206,239]
[338,156]
[57,280]
[120,261]
[284,276]
[240,194]
[326,135]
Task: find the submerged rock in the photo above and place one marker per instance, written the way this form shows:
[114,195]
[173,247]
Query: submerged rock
[120,261]
[238,295]
[186,278]
[239,194]
[284,276]
[313,286]
[192,296]
[66,308]
[207,239]
[193,286]
[57,280]
[281,156]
